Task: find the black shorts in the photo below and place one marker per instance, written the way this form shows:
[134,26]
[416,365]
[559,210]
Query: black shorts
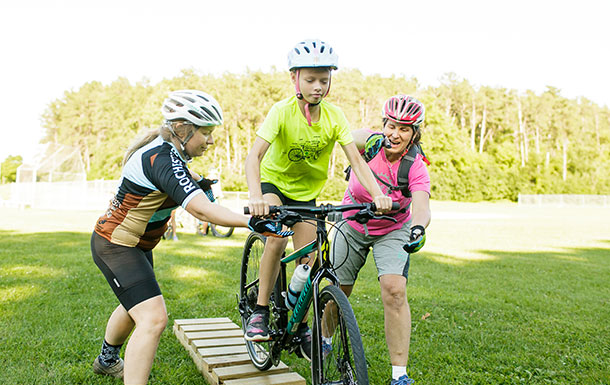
[269,188]
[128,270]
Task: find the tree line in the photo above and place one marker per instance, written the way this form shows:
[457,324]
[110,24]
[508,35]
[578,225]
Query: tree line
[485,143]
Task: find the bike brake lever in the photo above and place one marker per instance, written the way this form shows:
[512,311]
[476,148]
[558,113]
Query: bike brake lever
[386,217]
[362,216]
[289,218]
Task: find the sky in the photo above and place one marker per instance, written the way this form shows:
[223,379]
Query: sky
[51,46]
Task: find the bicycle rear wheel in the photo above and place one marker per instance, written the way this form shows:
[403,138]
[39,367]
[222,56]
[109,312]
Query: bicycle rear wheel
[344,362]
[260,352]
[221,231]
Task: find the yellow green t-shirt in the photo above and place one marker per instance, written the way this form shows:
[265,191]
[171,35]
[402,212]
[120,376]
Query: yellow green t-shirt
[298,156]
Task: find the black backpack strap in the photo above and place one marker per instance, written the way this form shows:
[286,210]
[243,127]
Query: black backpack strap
[405,166]
[403,170]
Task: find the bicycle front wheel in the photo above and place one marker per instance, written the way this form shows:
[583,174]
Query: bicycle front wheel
[221,231]
[260,352]
[342,361]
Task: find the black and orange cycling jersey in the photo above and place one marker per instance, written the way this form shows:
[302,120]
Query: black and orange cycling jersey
[154,182]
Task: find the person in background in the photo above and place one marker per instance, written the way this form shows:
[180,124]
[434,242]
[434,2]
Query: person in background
[155,180]
[172,226]
[388,153]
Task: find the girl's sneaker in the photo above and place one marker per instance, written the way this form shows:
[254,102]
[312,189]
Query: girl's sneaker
[257,329]
[403,380]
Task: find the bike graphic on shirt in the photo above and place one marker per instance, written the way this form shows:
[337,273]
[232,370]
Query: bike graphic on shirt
[307,151]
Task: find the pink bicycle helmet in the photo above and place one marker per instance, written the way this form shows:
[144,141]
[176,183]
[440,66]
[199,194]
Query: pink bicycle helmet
[404,109]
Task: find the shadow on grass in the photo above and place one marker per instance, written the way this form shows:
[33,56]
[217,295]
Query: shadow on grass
[54,303]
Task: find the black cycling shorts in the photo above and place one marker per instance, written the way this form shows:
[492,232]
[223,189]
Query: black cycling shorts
[269,188]
[128,270]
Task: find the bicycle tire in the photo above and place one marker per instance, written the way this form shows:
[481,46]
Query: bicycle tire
[221,231]
[346,362]
[259,352]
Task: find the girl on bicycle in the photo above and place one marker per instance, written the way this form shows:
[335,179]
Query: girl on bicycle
[288,164]
[391,242]
[154,181]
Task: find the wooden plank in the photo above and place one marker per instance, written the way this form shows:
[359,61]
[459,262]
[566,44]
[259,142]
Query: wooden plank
[221,361]
[221,351]
[274,379]
[209,327]
[214,334]
[197,359]
[195,321]
[248,370]
[209,343]
[218,350]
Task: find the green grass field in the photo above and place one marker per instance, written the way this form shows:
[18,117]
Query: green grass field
[501,294]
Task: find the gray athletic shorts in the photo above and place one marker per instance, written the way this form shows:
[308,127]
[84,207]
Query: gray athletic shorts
[350,249]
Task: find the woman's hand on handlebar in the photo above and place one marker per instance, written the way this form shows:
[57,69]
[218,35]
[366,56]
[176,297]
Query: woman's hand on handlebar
[258,206]
[383,203]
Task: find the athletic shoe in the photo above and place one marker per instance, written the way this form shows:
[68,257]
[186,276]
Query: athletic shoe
[403,380]
[326,349]
[304,350]
[114,370]
[256,328]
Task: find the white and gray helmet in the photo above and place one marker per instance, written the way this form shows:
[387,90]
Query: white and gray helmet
[312,53]
[197,107]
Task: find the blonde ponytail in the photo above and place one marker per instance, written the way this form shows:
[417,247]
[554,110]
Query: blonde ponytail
[147,136]
[141,140]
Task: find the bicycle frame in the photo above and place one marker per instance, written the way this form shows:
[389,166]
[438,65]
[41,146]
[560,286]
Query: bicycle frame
[312,285]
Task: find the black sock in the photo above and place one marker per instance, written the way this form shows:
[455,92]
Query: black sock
[261,308]
[109,354]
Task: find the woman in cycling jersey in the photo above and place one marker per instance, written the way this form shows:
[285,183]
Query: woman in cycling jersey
[288,164]
[391,242]
[154,181]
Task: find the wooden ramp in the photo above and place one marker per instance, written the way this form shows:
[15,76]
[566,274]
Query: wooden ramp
[218,349]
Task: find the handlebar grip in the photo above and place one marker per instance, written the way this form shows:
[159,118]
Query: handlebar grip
[272,210]
[395,206]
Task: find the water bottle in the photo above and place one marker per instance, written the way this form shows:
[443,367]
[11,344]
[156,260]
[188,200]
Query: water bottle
[299,277]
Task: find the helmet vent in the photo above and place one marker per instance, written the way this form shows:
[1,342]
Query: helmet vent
[200,96]
[314,44]
[207,111]
[306,49]
[322,49]
[189,98]
[197,114]
[297,51]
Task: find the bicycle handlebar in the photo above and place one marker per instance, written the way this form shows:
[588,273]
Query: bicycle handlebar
[366,211]
[325,208]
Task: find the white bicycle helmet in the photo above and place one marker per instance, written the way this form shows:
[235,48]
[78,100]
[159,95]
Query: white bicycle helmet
[312,53]
[194,106]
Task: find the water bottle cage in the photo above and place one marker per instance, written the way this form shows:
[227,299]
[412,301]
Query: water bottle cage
[291,298]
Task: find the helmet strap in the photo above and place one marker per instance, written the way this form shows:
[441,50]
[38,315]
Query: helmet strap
[300,95]
[182,142]
[308,114]
[296,84]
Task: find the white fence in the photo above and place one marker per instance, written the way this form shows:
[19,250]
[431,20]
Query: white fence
[564,200]
[87,195]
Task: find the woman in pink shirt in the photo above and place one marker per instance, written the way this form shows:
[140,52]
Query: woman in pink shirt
[391,243]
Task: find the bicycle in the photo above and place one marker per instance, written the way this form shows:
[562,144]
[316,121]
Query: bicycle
[345,362]
[217,230]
